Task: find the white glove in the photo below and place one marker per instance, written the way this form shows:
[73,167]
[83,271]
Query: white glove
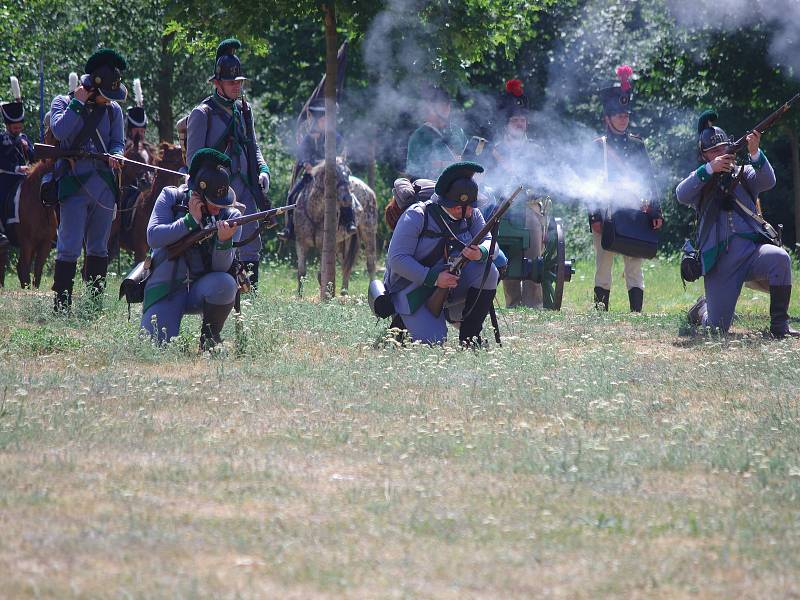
[263,181]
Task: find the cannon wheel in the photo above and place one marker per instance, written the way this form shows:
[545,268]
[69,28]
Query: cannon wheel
[556,269]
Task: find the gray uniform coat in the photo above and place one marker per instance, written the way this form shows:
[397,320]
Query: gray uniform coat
[218,123]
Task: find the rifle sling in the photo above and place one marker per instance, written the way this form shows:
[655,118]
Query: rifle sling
[89,129]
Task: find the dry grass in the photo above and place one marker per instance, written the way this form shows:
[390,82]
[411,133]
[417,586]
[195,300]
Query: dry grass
[591,456]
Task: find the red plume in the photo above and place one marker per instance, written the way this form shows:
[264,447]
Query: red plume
[514,87]
[625,73]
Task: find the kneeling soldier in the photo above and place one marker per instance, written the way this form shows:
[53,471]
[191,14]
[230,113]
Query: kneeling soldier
[426,236]
[199,281]
[732,248]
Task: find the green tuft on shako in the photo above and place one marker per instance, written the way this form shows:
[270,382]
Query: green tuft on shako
[105,56]
[208,156]
[459,170]
[707,119]
[456,187]
[229,46]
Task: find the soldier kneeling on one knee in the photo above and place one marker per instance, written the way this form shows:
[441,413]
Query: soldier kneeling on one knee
[732,243]
[426,236]
[198,282]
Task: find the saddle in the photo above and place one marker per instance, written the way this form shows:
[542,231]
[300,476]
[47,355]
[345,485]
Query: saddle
[127,206]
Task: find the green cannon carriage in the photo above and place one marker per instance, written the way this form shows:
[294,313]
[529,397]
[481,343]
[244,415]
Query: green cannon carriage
[551,269]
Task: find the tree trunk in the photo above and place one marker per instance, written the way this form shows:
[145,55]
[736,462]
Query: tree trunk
[164,89]
[371,163]
[794,142]
[330,224]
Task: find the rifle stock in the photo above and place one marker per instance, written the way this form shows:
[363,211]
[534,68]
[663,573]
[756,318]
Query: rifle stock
[178,248]
[436,300]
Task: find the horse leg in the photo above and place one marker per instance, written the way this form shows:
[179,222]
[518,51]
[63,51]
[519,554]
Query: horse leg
[301,267]
[24,264]
[349,248]
[3,264]
[42,252]
[371,248]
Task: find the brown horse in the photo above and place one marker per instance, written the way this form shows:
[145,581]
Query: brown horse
[135,238]
[309,214]
[36,230]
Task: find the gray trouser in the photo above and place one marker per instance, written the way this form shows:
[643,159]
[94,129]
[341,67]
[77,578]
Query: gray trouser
[604,261]
[86,217]
[163,319]
[424,327]
[250,252]
[745,261]
[524,292]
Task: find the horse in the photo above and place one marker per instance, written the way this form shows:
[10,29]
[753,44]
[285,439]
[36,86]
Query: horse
[36,230]
[309,215]
[134,238]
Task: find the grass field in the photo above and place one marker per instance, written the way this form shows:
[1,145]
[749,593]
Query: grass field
[592,456]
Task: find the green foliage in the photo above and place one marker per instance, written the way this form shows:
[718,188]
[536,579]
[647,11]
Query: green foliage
[564,50]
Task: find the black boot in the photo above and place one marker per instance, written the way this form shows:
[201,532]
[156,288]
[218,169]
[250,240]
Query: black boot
[779,297]
[698,312]
[347,218]
[602,297]
[636,299]
[251,268]
[288,231]
[96,270]
[478,304]
[63,275]
[214,317]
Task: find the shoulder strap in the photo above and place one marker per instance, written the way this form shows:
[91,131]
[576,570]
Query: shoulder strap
[89,128]
[767,230]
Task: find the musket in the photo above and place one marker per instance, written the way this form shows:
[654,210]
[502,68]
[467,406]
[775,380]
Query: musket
[764,125]
[176,249]
[436,300]
[47,151]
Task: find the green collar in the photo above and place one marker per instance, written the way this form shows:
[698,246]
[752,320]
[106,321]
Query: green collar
[223,101]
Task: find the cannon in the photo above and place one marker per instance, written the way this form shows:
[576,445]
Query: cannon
[551,269]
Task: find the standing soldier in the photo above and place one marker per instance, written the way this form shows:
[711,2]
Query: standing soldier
[514,155]
[425,237]
[136,123]
[310,152]
[437,143]
[16,152]
[198,282]
[625,162]
[88,119]
[224,122]
[135,128]
[733,247]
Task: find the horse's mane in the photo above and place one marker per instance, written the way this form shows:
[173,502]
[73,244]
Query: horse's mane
[40,167]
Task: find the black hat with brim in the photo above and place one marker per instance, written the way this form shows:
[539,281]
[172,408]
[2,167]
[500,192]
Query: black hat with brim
[228,67]
[13,112]
[710,135]
[104,74]
[209,176]
[455,186]
[713,137]
[137,117]
[616,101]
[434,94]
